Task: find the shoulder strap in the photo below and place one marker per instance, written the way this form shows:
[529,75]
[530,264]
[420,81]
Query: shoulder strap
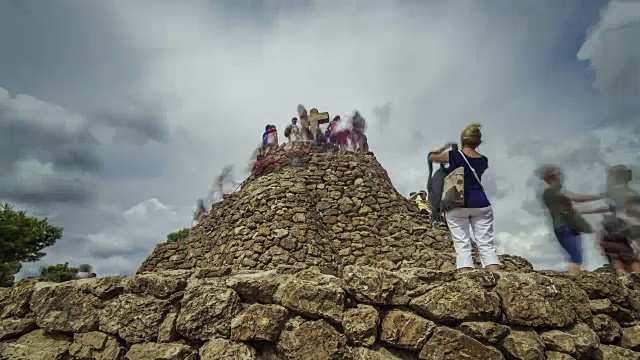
[471,167]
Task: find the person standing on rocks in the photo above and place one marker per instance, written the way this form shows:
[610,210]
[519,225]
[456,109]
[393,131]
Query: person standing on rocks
[619,235]
[420,199]
[476,215]
[568,224]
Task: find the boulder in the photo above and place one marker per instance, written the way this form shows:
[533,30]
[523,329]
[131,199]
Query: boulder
[631,338]
[154,285]
[312,298]
[586,341]
[610,352]
[379,353]
[530,299]
[522,343]
[63,307]
[360,325]
[207,310]
[227,349]
[256,287]
[11,327]
[556,340]
[259,322]
[14,301]
[303,340]
[405,330]
[96,346]
[450,344]
[607,328]
[486,332]
[37,345]
[374,286]
[601,306]
[167,332]
[153,351]
[462,300]
[133,318]
[554,355]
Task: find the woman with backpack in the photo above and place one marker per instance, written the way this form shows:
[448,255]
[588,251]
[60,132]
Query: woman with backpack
[472,214]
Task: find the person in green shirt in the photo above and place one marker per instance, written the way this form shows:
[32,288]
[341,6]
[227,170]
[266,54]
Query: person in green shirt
[559,203]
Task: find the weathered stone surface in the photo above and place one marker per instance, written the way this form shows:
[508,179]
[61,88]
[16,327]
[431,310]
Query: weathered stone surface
[259,322]
[153,351]
[484,331]
[14,301]
[462,300]
[608,330]
[450,344]
[303,340]
[257,287]
[133,318]
[96,345]
[11,328]
[207,310]
[360,325]
[601,306]
[312,299]
[556,340]
[631,338]
[554,355]
[534,300]
[37,345]
[586,341]
[63,307]
[374,286]
[107,288]
[226,349]
[405,330]
[167,332]
[155,285]
[610,352]
[522,343]
[380,353]
[601,285]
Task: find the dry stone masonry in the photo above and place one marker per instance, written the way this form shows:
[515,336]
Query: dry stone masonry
[323,261]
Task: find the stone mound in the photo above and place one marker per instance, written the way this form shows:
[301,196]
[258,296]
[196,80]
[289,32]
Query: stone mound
[324,211]
[323,261]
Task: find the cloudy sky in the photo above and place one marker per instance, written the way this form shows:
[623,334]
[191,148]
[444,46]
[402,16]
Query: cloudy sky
[116,115]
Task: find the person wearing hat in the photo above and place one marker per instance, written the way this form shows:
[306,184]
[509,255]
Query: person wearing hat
[420,198]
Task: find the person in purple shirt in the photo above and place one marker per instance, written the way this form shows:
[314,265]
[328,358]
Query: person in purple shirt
[475,218]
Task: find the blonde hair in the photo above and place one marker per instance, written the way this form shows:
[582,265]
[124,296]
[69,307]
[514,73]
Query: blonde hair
[471,136]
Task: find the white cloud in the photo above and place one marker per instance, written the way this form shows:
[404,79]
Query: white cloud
[221,78]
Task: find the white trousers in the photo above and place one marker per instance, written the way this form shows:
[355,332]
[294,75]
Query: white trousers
[465,221]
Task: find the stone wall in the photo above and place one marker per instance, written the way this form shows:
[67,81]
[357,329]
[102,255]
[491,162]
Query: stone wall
[289,313]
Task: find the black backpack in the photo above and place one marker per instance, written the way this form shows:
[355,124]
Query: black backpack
[435,186]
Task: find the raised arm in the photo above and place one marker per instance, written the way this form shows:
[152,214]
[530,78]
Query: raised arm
[440,155]
[579,198]
[413,197]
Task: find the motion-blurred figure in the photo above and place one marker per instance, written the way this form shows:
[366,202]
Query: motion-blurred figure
[84,271]
[568,223]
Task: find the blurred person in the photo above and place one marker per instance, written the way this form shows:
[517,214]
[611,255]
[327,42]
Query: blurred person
[568,224]
[619,233]
[358,126]
[420,199]
[292,132]
[200,212]
[84,271]
[474,219]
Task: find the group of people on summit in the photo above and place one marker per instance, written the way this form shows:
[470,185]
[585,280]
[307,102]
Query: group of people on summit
[458,199]
[345,134]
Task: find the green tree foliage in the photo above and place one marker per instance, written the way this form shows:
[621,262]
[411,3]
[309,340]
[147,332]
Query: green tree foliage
[22,239]
[59,272]
[178,235]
